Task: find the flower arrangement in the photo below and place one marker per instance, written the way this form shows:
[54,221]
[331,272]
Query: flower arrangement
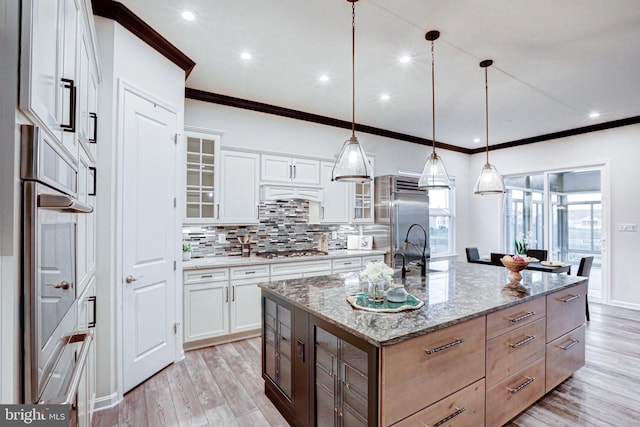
[523,242]
[376,272]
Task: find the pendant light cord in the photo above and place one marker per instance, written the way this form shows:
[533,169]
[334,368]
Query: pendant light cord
[486,109]
[353,69]
[433,100]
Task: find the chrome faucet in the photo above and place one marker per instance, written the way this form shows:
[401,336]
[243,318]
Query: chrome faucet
[423,259]
[404,269]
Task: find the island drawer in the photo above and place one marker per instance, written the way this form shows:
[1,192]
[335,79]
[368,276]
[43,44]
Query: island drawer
[450,358]
[514,350]
[565,311]
[516,393]
[463,408]
[565,355]
[207,275]
[515,316]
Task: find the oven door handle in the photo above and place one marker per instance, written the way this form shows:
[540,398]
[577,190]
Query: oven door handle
[64,203]
[76,375]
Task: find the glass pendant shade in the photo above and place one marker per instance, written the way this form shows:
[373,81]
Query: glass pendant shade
[352,164]
[434,175]
[490,181]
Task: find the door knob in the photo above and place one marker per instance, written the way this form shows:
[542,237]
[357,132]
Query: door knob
[131,279]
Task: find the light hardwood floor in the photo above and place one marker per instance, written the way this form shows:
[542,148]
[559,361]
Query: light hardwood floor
[221,386]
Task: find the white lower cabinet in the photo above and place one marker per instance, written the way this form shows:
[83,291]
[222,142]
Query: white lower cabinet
[298,270]
[222,301]
[87,385]
[345,265]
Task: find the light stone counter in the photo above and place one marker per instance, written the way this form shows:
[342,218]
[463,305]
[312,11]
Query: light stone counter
[236,261]
[453,292]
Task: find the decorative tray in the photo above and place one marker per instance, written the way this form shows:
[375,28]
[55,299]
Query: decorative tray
[361,301]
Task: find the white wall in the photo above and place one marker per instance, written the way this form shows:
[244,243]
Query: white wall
[619,150]
[267,132]
[123,58]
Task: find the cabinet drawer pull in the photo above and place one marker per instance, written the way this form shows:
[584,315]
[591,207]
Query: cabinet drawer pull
[448,418]
[521,386]
[283,338]
[206,276]
[522,317]
[347,263]
[571,298]
[571,344]
[444,347]
[524,341]
[250,272]
[94,138]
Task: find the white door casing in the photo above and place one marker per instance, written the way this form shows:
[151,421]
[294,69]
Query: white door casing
[148,238]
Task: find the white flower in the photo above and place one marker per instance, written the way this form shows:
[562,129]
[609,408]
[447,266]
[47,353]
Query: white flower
[376,271]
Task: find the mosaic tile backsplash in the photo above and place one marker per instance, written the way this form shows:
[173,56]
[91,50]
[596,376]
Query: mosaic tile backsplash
[283,226]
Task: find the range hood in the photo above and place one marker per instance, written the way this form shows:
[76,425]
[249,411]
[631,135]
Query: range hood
[281,192]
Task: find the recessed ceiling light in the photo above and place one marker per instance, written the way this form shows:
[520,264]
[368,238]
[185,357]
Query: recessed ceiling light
[405,58]
[188,15]
[384,97]
[594,115]
[245,55]
[476,140]
[323,78]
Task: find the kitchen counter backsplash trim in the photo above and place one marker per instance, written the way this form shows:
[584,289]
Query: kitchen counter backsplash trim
[283,226]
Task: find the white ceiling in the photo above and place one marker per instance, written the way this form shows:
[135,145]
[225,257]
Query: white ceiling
[555,61]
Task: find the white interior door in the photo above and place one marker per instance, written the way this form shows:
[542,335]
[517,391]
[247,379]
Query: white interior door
[148,239]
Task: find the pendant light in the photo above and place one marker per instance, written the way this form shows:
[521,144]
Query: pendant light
[490,180]
[434,175]
[352,164]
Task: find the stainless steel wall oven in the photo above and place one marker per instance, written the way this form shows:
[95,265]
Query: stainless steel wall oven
[53,361]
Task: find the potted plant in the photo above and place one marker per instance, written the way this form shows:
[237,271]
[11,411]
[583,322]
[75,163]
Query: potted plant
[186,251]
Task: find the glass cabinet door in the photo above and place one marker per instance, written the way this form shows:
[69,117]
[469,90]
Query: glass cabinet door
[201,197]
[363,200]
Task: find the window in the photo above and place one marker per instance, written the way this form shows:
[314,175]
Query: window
[441,220]
[524,211]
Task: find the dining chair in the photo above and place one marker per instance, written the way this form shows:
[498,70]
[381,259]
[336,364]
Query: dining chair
[584,270]
[472,254]
[495,258]
[540,254]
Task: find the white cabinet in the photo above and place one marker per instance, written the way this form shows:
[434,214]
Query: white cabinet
[335,202]
[222,301]
[203,178]
[362,199]
[206,304]
[239,187]
[50,33]
[88,79]
[298,270]
[289,170]
[345,265]
[85,229]
[87,385]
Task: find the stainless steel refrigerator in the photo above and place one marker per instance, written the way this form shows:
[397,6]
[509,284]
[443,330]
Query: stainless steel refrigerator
[401,219]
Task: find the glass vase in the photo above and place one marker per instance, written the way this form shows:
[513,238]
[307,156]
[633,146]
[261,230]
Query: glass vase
[376,290]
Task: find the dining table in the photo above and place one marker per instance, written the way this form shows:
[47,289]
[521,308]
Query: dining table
[537,266]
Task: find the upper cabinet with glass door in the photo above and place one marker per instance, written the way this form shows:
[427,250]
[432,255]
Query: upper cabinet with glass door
[202,199]
[363,200]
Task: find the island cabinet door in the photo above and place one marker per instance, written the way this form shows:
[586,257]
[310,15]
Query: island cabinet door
[277,366]
[421,371]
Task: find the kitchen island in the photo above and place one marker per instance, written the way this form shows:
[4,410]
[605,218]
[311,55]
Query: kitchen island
[478,352]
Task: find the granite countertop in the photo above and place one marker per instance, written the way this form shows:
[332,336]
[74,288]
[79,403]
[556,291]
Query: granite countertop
[452,292]
[237,261]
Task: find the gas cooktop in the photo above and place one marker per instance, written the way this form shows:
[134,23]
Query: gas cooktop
[290,253]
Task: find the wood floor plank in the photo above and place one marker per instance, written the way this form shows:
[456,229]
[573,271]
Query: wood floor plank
[133,410]
[159,401]
[222,386]
[185,400]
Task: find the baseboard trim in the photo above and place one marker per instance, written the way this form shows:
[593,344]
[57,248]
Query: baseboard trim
[221,340]
[624,304]
[106,402]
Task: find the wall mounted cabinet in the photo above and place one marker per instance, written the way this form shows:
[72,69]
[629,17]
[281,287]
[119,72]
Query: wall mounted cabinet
[239,187]
[279,169]
[334,207]
[202,181]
